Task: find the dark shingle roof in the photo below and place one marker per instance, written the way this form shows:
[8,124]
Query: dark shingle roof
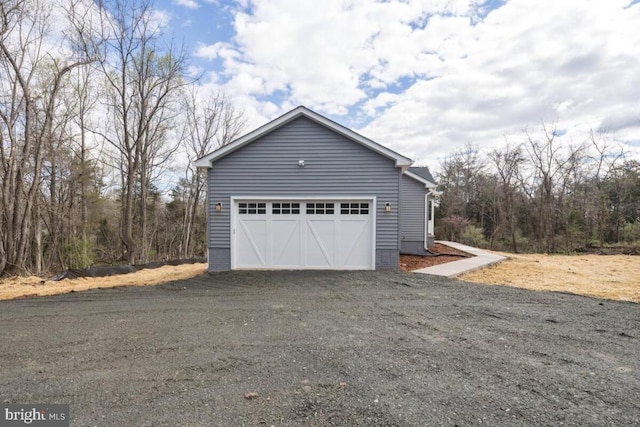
[422,172]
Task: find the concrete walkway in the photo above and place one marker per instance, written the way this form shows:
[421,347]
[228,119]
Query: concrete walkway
[455,268]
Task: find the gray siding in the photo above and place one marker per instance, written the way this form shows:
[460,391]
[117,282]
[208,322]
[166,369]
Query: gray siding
[219,259]
[334,166]
[387,259]
[412,219]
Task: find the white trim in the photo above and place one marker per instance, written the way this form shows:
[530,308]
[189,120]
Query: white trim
[374,200]
[232,231]
[426,182]
[206,161]
[428,212]
[426,220]
[285,197]
[234,214]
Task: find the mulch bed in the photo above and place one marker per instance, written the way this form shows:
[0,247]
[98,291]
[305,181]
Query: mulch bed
[415,262]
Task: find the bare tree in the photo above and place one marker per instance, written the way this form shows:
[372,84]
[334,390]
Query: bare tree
[210,122]
[143,80]
[71,176]
[548,183]
[595,200]
[85,94]
[31,75]
[459,175]
[507,163]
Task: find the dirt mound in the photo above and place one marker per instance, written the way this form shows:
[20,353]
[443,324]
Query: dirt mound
[31,286]
[610,250]
[112,270]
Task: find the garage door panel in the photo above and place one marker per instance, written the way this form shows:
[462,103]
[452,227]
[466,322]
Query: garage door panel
[320,243]
[252,239]
[285,243]
[355,242]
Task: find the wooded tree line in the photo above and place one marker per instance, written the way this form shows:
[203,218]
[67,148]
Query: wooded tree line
[96,104]
[95,107]
[541,195]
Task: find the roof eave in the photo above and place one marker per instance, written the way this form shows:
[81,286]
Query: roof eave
[203,162]
[426,182]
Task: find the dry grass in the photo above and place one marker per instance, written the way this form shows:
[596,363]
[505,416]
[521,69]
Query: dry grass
[17,287]
[615,277]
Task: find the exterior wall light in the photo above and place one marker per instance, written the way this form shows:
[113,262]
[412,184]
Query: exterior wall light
[387,207]
[301,163]
[218,207]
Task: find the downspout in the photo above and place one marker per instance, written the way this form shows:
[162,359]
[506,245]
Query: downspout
[426,221]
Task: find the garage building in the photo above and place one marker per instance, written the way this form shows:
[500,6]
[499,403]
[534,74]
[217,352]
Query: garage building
[304,192]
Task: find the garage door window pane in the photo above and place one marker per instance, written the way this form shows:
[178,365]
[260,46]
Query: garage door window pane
[320,208]
[354,208]
[285,208]
[252,208]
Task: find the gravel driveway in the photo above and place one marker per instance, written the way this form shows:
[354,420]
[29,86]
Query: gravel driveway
[324,349]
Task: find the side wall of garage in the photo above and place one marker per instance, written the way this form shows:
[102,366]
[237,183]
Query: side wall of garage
[412,216]
[334,166]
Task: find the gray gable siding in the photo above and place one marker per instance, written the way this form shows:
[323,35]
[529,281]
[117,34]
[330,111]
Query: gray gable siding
[334,166]
[412,219]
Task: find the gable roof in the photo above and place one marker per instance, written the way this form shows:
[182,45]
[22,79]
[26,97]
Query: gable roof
[302,111]
[423,175]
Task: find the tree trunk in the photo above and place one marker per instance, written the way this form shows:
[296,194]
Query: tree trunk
[144,232]
[127,217]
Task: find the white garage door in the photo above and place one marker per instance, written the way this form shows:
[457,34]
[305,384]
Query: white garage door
[290,234]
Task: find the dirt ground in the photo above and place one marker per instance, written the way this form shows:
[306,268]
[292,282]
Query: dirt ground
[323,348]
[615,277]
[32,286]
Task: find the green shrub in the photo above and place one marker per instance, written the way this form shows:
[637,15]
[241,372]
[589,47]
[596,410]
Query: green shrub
[505,243]
[453,227]
[78,253]
[524,243]
[631,233]
[473,236]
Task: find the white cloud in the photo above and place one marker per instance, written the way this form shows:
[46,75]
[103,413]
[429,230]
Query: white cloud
[190,4]
[526,62]
[208,51]
[435,75]
[621,120]
[159,19]
[194,71]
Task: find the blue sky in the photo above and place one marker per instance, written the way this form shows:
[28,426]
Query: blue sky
[424,77]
